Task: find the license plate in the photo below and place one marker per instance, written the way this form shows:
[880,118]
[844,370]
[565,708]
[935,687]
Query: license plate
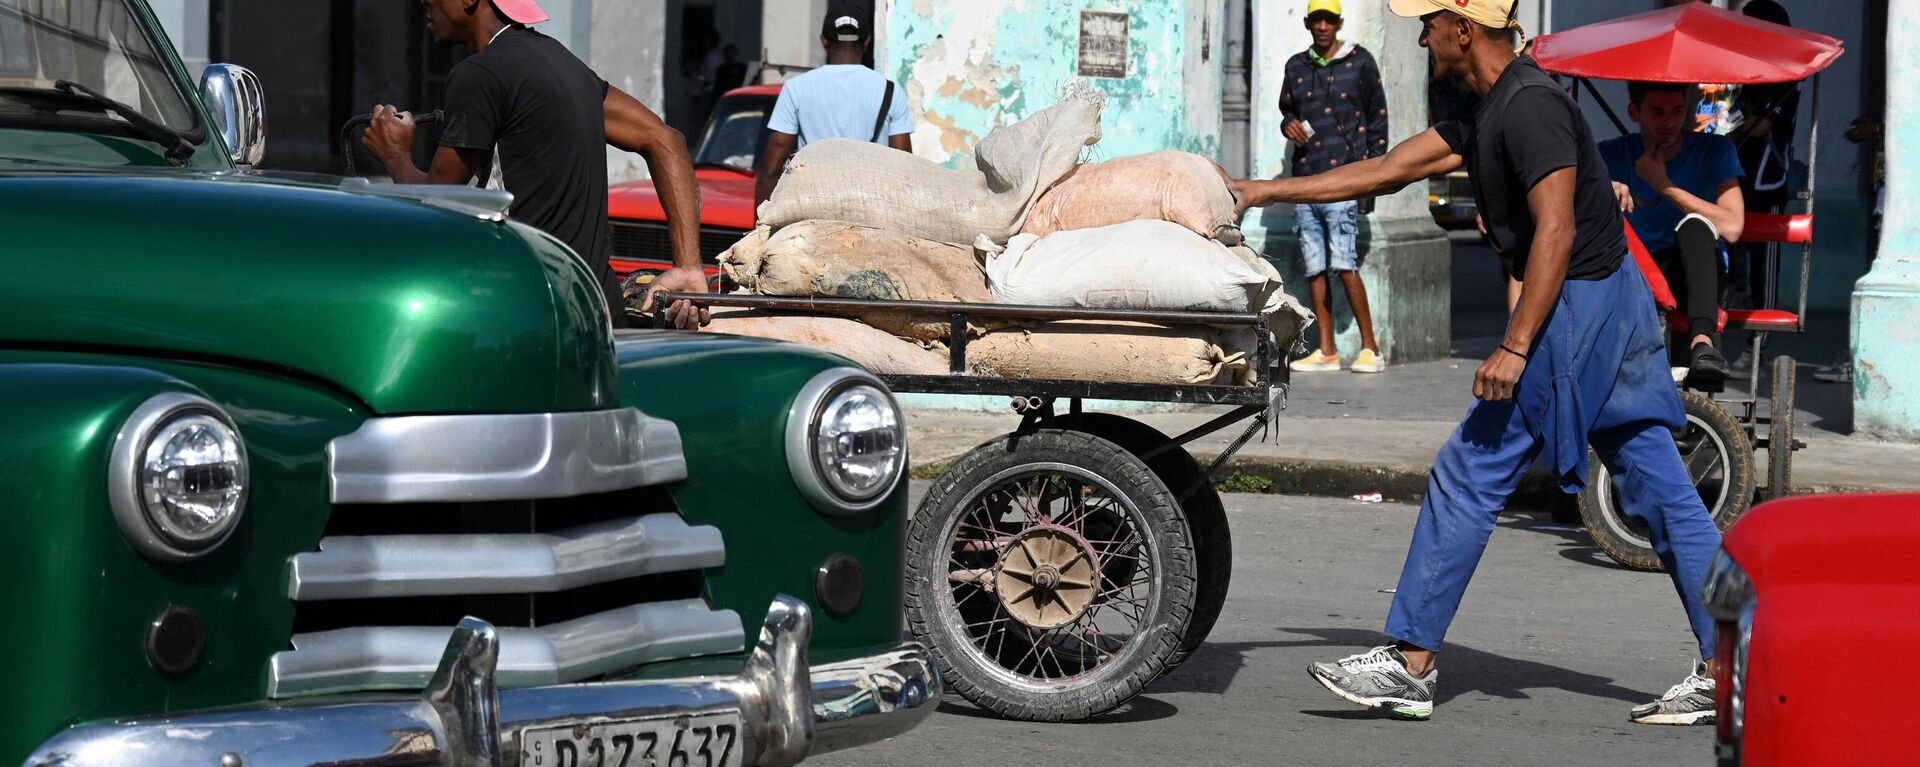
[700,740]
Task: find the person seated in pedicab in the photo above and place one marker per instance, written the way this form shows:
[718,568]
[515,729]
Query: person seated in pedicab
[1681,192]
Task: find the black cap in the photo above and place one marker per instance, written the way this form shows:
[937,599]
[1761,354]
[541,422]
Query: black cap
[845,24]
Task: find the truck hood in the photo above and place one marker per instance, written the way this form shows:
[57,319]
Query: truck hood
[726,199]
[406,307]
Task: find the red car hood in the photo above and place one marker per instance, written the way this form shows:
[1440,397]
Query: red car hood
[726,200]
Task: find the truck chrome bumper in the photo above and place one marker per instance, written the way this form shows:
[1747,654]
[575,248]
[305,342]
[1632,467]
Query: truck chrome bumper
[788,711]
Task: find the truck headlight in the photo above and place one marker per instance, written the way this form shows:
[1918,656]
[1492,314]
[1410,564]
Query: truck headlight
[177,478]
[1729,597]
[846,441]
[1728,590]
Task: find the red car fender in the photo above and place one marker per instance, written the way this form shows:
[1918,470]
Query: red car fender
[1836,590]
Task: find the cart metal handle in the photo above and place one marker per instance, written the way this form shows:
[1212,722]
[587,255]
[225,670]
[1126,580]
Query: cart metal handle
[360,122]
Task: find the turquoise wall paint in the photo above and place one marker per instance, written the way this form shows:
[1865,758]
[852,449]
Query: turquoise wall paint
[1886,340]
[970,66]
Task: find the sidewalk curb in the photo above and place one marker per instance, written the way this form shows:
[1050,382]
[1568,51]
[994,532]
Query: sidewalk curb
[1406,484]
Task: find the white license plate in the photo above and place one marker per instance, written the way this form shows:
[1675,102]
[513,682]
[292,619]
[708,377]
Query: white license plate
[701,740]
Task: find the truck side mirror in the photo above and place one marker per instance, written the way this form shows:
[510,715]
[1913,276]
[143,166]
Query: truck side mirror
[238,104]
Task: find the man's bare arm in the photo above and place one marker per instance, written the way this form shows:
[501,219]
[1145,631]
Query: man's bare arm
[902,142]
[1551,201]
[390,138]
[635,128]
[1728,214]
[1416,159]
[773,161]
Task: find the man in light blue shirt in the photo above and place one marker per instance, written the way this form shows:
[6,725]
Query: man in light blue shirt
[843,99]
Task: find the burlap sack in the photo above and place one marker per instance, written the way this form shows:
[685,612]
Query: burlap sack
[1178,187]
[873,185]
[842,260]
[1143,264]
[1115,352]
[866,346]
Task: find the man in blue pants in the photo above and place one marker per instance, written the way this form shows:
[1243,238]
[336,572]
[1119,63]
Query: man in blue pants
[1582,361]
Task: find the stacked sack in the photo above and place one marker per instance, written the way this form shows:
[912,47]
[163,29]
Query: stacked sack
[1030,226]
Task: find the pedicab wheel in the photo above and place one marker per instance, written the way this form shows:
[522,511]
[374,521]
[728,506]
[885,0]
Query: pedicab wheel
[1206,518]
[1050,576]
[1719,458]
[1780,428]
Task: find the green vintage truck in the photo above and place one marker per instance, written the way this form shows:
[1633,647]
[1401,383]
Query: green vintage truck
[299,472]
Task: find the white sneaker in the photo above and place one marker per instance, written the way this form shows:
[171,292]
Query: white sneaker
[1689,702]
[1379,679]
[1368,362]
[1680,375]
[1316,363]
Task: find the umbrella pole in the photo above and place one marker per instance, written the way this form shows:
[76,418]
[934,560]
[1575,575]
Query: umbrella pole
[1604,106]
[1813,167]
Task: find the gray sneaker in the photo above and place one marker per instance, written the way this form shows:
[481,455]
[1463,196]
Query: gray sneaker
[1689,702]
[1378,679]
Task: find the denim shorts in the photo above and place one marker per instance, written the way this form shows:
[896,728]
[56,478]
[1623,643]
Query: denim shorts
[1327,233]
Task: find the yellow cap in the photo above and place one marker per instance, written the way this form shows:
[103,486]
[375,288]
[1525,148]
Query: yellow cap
[1487,13]
[1330,6]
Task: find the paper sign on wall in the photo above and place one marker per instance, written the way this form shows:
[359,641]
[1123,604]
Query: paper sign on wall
[1103,44]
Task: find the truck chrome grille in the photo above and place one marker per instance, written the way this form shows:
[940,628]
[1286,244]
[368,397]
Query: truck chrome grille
[579,586]
[648,240]
[364,566]
[404,657]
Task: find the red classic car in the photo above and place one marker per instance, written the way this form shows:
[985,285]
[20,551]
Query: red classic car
[724,162]
[1808,592]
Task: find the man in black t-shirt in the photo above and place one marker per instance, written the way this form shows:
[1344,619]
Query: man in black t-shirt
[526,115]
[1582,362]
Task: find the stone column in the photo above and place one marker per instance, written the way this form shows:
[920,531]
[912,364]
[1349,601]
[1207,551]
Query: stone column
[790,37]
[1407,261]
[1886,340]
[625,43]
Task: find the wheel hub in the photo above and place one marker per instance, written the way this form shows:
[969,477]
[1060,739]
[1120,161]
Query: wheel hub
[1046,577]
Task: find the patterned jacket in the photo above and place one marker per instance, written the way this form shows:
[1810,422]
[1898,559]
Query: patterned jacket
[1345,103]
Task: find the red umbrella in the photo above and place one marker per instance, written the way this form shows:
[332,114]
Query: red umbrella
[1690,43]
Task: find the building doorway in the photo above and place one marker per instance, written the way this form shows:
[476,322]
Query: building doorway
[697,66]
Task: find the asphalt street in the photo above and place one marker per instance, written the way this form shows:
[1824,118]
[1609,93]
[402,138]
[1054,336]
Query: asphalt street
[1552,647]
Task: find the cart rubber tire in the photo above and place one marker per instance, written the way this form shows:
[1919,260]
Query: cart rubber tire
[931,613]
[1206,517]
[1609,525]
[1780,429]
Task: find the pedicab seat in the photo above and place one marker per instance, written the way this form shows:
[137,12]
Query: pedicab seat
[1760,227]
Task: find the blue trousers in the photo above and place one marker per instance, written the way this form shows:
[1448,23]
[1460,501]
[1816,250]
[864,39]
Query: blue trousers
[1483,462]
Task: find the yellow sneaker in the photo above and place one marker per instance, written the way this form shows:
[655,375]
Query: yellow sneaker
[1369,362]
[1316,363]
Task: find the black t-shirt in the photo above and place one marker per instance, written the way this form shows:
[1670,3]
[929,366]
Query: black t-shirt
[532,103]
[1525,129]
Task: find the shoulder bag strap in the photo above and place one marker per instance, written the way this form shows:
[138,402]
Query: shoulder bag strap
[886,106]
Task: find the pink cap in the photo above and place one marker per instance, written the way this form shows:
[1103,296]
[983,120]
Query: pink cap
[521,11]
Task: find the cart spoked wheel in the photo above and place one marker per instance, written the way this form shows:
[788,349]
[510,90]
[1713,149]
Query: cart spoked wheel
[1050,575]
[1718,457]
[1206,517]
[1780,428]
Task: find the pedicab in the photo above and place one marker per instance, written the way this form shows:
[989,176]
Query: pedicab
[1698,43]
[1058,569]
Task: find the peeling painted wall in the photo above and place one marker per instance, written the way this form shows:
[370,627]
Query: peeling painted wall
[970,66]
